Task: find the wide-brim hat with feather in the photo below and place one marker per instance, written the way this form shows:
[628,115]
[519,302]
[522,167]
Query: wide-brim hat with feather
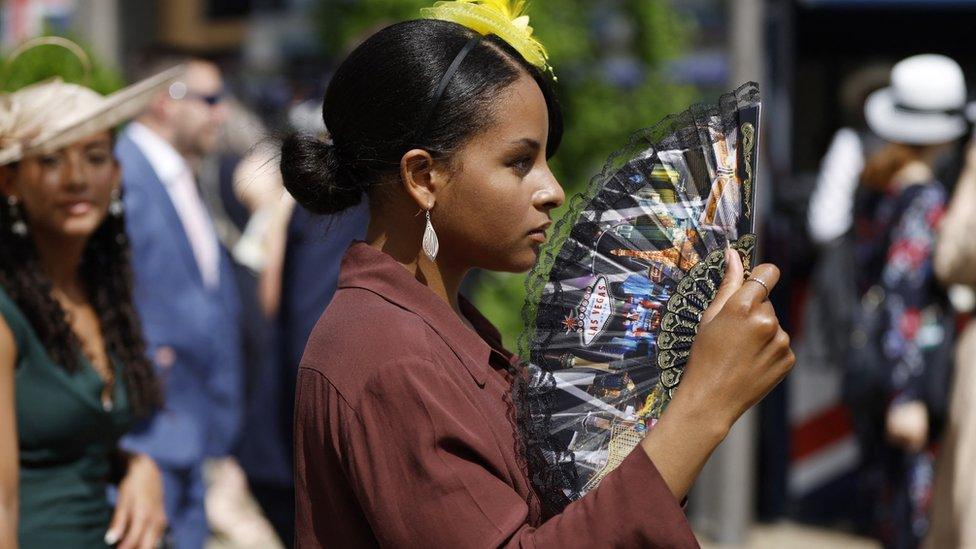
[46,116]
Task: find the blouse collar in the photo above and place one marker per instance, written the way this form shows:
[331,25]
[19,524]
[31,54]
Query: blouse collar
[367,268]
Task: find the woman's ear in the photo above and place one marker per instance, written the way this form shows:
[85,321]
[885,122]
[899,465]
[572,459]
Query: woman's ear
[419,178]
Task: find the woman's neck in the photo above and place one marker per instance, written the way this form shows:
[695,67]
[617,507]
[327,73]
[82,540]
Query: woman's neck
[441,277]
[59,259]
[913,173]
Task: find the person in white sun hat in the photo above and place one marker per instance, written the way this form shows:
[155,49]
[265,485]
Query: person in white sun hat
[74,376]
[898,364]
[925,104]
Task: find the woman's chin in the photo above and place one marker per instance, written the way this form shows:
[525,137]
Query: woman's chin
[79,227]
[525,260]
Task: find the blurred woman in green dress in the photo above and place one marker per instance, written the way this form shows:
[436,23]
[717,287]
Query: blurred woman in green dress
[73,373]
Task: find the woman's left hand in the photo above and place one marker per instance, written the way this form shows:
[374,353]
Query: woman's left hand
[139,520]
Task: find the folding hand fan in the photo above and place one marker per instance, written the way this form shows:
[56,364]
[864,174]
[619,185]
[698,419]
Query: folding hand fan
[616,299]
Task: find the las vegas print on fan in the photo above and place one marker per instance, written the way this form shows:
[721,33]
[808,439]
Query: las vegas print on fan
[613,307]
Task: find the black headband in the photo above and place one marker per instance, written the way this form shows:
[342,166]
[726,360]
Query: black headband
[442,86]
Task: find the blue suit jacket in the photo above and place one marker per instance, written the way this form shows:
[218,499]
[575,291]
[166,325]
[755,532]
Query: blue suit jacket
[192,333]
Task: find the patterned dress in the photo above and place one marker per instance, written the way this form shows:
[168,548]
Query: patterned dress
[895,234]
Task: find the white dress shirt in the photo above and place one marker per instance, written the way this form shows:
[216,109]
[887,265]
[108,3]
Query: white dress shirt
[180,184]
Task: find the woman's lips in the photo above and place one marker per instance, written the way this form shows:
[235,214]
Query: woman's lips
[539,234]
[80,207]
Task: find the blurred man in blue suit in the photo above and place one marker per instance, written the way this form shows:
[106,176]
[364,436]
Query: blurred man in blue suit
[185,292]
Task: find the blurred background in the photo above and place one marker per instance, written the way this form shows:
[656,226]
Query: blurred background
[786,474]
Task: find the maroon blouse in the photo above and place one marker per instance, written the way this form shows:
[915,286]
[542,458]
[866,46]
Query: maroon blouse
[403,436]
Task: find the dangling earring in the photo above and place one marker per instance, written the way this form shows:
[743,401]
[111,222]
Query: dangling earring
[431,244]
[116,208]
[17,226]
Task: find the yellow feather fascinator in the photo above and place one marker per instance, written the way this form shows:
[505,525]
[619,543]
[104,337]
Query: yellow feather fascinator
[505,19]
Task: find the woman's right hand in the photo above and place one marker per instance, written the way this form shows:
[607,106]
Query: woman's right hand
[740,352]
[139,521]
[739,355]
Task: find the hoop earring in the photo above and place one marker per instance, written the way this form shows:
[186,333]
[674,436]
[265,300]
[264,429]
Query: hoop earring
[17,224]
[430,243]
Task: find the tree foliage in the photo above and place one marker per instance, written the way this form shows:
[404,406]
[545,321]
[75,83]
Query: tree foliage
[47,61]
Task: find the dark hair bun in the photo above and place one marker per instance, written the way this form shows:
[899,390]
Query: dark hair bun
[314,175]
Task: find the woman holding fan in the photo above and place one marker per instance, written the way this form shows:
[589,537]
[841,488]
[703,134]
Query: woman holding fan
[408,408]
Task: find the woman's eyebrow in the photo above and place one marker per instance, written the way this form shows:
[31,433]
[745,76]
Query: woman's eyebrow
[528,142]
[98,145]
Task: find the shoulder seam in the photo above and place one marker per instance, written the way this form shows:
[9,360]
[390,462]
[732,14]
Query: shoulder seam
[345,401]
[329,382]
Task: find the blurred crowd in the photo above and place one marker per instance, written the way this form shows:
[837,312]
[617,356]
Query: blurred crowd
[229,276]
[892,218]
[234,322]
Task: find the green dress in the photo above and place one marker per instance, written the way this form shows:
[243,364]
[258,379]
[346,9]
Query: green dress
[66,440]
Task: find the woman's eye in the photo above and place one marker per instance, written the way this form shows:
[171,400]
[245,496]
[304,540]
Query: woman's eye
[521,165]
[49,160]
[98,158]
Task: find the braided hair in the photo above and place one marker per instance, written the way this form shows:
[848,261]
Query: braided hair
[106,274]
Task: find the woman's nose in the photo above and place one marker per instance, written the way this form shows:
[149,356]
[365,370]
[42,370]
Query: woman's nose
[74,172]
[550,194]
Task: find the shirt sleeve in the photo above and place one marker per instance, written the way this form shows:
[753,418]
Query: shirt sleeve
[419,464]
[908,281]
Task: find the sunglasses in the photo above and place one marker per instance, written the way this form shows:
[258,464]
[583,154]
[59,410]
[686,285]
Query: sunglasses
[179,91]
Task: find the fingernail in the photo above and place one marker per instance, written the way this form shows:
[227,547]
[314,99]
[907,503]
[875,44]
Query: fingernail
[111,537]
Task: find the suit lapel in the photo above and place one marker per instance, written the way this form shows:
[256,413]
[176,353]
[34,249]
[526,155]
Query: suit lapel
[161,198]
